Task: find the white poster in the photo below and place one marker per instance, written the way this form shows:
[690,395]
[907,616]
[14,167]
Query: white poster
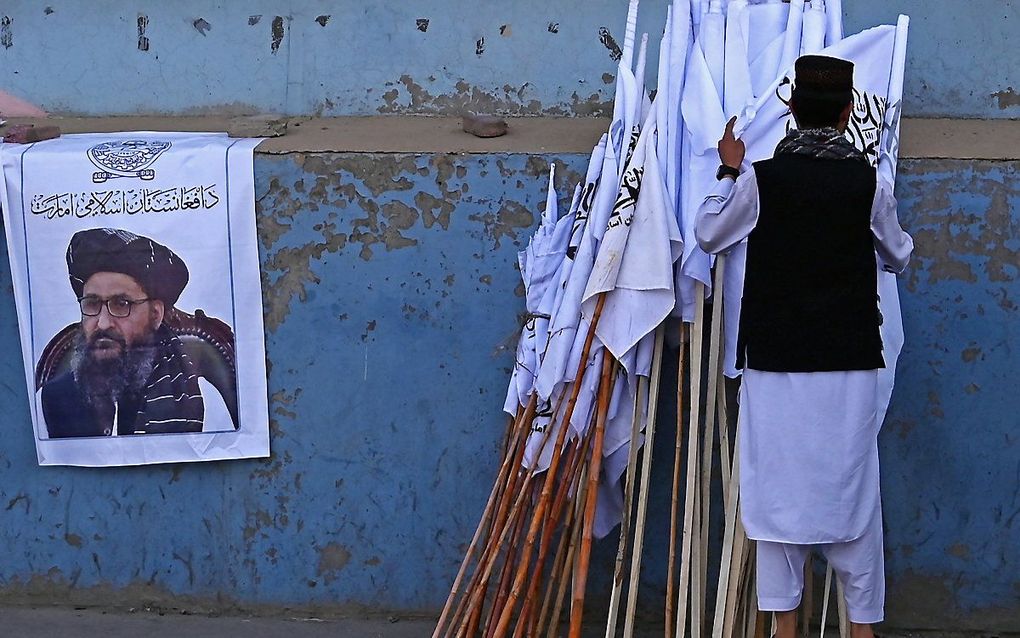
[136,278]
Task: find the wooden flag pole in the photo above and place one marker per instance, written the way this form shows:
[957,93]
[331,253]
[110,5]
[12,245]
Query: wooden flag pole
[738,575]
[675,495]
[487,561]
[561,561]
[714,347]
[730,544]
[551,522]
[503,582]
[575,541]
[844,618]
[628,499]
[726,454]
[688,575]
[697,586]
[503,520]
[511,487]
[646,479]
[609,368]
[504,473]
[825,600]
[543,503]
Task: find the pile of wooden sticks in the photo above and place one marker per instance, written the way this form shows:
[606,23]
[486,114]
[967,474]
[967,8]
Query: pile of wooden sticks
[535,536]
[534,540]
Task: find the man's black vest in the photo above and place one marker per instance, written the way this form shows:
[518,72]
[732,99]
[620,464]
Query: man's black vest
[810,300]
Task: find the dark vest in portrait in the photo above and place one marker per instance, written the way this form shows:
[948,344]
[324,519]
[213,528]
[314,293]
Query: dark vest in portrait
[810,301]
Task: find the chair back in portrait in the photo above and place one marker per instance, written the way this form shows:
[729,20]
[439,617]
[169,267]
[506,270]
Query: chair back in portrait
[208,341]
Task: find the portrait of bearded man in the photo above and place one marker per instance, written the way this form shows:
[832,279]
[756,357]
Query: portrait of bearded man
[130,374]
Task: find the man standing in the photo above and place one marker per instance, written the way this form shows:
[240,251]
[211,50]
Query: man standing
[129,373]
[814,216]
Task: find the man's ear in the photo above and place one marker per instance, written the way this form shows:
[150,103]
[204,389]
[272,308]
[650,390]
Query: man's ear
[844,117]
[158,310]
[792,105]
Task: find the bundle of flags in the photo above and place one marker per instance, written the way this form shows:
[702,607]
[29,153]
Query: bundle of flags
[601,281]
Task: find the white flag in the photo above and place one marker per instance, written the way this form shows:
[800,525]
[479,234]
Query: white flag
[634,267]
[833,21]
[767,28]
[539,263]
[812,39]
[703,118]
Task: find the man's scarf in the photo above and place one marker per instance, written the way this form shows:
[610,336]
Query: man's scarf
[173,400]
[820,143]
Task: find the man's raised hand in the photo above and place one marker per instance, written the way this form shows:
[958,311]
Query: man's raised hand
[731,149]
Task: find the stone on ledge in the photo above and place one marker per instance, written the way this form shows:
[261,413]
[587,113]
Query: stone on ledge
[484,125]
[269,125]
[29,133]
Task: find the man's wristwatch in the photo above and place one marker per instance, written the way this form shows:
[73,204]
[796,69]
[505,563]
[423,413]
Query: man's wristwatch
[727,171]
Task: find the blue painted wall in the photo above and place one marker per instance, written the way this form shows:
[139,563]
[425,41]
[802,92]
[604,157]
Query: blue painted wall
[951,447]
[392,308]
[351,57]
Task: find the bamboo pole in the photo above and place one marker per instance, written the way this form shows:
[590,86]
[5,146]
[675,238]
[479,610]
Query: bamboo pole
[714,342]
[512,485]
[609,368]
[474,594]
[502,477]
[730,543]
[748,606]
[844,618]
[675,494]
[711,401]
[563,558]
[688,578]
[739,567]
[646,479]
[697,587]
[543,503]
[628,499]
[551,522]
[503,520]
[503,582]
[558,567]
[825,600]
[753,615]
[575,541]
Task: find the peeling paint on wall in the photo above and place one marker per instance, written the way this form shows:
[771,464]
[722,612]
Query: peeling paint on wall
[954,246]
[1007,98]
[143,41]
[201,25]
[277,34]
[422,24]
[6,33]
[606,38]
[332,560]
[407,95]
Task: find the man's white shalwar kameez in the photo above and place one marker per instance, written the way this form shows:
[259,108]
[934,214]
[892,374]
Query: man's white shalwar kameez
[809,472]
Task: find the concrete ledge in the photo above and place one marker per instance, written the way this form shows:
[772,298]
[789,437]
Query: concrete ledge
[921,138]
